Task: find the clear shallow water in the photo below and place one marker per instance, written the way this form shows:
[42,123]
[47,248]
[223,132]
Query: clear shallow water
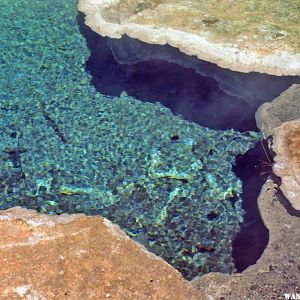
[67,148]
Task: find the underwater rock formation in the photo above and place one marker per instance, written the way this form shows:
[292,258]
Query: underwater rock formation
[79,257]
[252,87]
[277,271]
[287,160]
[241,36]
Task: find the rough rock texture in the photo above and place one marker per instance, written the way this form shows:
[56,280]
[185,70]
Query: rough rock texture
[284,108]
[280,119]
[287,160]
[242,36]
[78,257]
[276,272]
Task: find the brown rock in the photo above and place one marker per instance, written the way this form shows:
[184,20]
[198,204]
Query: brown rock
[277,270]
[287,160]
[79,257]
[284,108]
[242,36]
[280,119]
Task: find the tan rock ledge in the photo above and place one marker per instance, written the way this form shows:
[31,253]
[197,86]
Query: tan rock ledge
[287,160]
[78,257]
[284,108]
[244,36]
[280,119]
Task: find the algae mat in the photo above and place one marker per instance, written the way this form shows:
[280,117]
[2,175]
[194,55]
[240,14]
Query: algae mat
[66,148]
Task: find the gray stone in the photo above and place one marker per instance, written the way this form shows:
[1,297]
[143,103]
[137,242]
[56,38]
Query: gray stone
[284,108]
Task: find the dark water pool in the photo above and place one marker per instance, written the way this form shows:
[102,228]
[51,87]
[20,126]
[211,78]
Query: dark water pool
[199,91]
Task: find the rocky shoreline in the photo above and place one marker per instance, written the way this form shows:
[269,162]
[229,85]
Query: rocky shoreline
[38,251]
[92,257]
[225,54]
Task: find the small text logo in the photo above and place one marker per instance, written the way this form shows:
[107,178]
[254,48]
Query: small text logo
[292,296]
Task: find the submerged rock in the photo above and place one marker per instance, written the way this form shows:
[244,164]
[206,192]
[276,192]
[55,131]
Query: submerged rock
[257,36]
[253,88]
[198,90]
[276,273]
[79,257]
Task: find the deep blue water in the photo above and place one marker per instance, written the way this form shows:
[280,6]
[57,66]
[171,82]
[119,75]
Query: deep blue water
[253,237]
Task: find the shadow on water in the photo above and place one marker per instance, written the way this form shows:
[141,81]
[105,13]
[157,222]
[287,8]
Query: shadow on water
[254,236]
[201,92]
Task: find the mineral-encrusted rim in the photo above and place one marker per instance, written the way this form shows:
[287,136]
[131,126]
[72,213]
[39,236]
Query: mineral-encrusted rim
[224,55]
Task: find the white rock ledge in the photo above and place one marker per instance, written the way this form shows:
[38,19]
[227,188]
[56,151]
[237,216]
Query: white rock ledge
[224,55]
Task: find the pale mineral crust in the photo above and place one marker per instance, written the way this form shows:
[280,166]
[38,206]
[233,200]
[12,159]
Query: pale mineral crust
[277,272]
[78,257]
[286,145]
[245,36]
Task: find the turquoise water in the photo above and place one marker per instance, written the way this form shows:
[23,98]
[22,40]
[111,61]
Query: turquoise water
[67,148]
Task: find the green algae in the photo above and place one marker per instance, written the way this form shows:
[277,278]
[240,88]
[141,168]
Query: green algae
[66,148]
